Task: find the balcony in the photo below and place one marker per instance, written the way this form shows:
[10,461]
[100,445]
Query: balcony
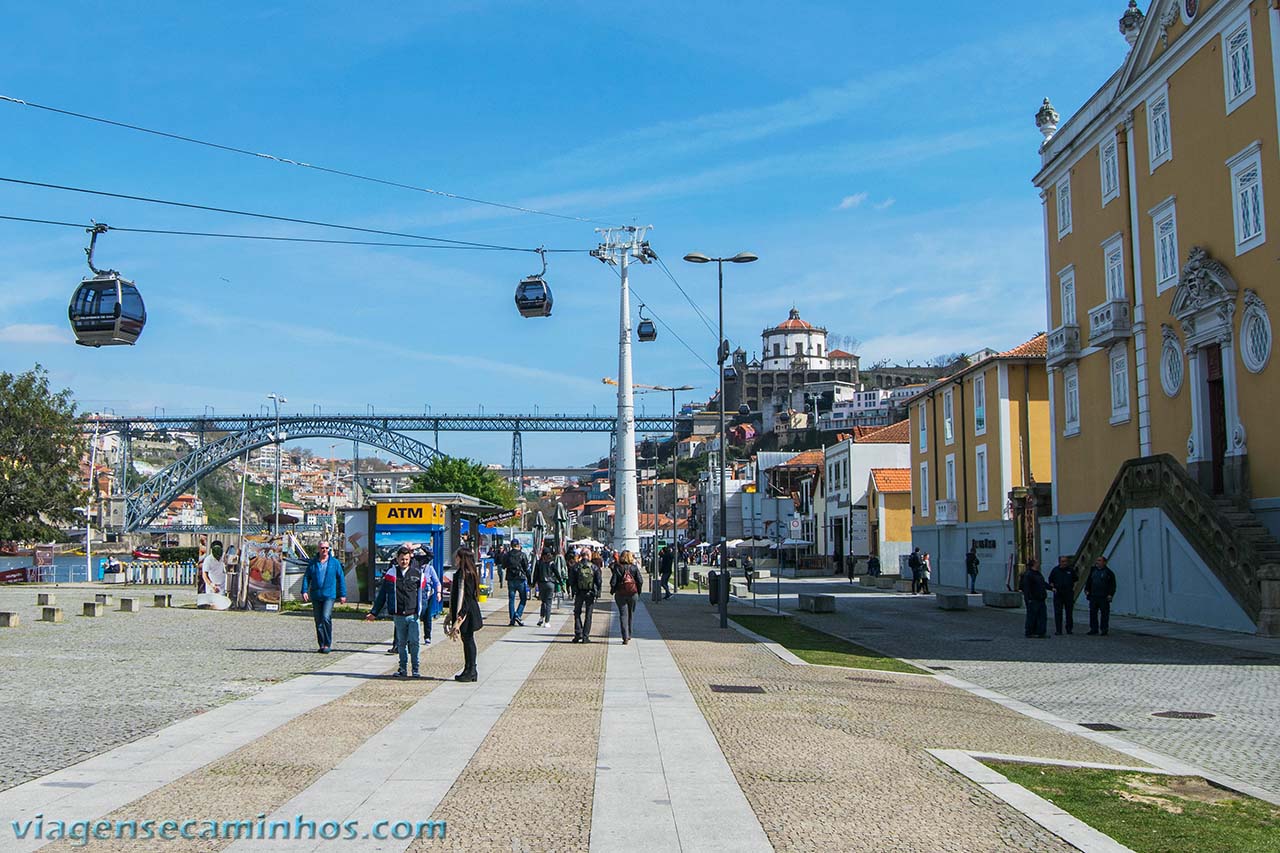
[946,513]
[1110,322]
[1064,345]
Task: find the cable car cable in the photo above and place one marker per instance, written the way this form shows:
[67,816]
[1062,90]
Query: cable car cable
[664,323]
[291,162]
[706,321]
[275,218]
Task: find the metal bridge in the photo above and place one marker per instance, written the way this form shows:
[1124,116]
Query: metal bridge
[234,436]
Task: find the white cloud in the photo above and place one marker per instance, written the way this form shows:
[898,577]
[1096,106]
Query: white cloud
[34,333]
[885,205]
[851,201]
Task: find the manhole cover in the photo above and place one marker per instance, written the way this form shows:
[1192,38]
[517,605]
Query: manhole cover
[736,688]
[871,680]
[1183,715]
[1102,727]
[941,667]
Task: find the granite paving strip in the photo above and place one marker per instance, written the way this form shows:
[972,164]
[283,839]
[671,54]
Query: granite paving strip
[835,759]
[260,776]
[529,785]
[404,770]
[662,782]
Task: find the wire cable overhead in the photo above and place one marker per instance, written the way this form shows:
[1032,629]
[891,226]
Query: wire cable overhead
[288,161]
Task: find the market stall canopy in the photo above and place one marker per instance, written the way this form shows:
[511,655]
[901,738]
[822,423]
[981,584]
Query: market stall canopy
[586,543]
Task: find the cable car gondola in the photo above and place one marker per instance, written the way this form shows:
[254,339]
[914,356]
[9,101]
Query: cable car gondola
[533,294]
[646,330]
[107,309]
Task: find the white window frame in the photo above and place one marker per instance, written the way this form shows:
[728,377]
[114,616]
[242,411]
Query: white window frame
[924,489]
[948,416]
[1250,159]
[980,477]
[1166,265]
[1063,198]
[1255,313]
[1172,368]
[950,469]
[1067,296]
[1229,33]
[1158,157]
[1071,400]
[1113,266]
[1109,168]
[980,404]
[924,428]
[1118,368]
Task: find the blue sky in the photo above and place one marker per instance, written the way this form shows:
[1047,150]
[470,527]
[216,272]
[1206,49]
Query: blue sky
[877,158]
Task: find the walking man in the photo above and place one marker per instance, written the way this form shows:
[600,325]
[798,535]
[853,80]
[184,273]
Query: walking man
[1100,588]
[545,578]
[913,563]
[667,563]
[873,566]
[1063,580]
[626,584]
[971,563]
[407,601]
[585,579]
[516,566]
[323,582]
[1034,592]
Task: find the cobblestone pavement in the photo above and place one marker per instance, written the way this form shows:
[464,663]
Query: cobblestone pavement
[834,759]
[131,674]
[1121,679]
[529,786]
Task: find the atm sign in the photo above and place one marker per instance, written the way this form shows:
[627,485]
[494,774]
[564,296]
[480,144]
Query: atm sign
[410,513]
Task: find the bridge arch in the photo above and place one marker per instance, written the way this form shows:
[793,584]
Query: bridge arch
[148,499]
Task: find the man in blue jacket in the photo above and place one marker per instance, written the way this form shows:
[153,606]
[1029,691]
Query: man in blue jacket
[323,582]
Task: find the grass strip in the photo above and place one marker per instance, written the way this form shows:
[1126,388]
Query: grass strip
[813,646]
[1152,813]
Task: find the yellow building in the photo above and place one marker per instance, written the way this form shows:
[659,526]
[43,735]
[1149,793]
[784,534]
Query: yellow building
[889,515]
[1158,278]
[976,437]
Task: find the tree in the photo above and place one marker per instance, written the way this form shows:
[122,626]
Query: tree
[40,450]
[848,343]
[456,474]
[947,359]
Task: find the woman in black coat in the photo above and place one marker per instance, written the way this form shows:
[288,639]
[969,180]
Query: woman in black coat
[464,610]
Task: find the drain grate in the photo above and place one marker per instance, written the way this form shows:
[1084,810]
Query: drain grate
[1183,715]
[736,688]
[871,680]
[1102,727]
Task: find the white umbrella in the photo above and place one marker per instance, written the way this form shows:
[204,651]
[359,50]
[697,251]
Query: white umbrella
[735,543]
[586,543]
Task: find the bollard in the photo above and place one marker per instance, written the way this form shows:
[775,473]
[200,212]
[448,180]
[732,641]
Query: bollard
[94,608]
[9,620]
[46,599]
[164,600]
[103,599]
[51,614]
[130,605]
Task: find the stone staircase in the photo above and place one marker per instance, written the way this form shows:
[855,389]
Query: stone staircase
[1228,537]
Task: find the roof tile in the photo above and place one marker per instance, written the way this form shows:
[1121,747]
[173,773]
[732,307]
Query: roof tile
[892,479]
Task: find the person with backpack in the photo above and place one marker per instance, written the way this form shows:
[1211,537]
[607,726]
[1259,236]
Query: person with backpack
[545,577]
[913,563]
[626,584]
[425,559]
[971,563]
[585,579]
[406,605]
[516,566]
[926,573]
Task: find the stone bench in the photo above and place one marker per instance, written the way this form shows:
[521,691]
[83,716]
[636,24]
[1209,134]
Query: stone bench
[94,608]
[103,599]
[758,574]
[9,620]
[886,582]
[998,598]
[130,605]
[51,614]
[819,602]
[902,585]
[740,589]
[46,599]
[952,600]
[163,600]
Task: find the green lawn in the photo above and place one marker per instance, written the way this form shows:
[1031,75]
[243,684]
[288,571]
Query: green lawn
[1154,814]
[814,646]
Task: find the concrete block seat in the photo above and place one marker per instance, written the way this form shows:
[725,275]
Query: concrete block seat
[740,589]
[9,619]
[103,598]
[903,585]
[886,581]
[1001,598]
[952,600]
[46,599]
[51,614]
[758,574]
[818,602]
[163,600]
[130,605]
[94,608]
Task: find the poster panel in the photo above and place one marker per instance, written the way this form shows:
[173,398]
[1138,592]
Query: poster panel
[357,553]
[262,556]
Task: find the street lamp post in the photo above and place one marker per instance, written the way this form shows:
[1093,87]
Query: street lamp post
[722,354]
[276,400]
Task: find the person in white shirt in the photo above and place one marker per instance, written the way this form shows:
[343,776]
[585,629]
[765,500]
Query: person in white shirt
[213,569]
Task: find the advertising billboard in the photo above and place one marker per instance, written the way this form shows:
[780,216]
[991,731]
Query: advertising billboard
[357,553]
[403,523]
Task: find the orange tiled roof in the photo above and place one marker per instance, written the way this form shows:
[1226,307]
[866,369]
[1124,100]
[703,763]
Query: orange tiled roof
[892,479]
[1037,347]
[899,433]
[809,458]
[839,353]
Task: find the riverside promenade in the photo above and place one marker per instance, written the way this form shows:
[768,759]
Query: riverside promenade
[689,738]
